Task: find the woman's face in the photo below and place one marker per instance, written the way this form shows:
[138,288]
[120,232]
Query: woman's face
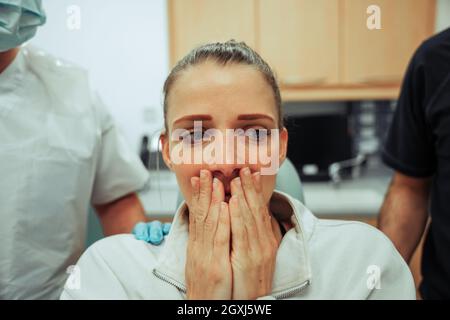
[221,97]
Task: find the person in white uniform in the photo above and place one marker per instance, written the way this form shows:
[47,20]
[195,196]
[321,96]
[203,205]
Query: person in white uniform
[60,151]
[235,237]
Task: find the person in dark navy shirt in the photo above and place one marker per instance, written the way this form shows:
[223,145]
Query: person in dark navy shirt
[418,149]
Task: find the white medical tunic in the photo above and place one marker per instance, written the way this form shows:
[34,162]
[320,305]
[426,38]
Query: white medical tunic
[59,152]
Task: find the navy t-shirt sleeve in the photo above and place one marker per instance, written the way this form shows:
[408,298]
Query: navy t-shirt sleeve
[409,146]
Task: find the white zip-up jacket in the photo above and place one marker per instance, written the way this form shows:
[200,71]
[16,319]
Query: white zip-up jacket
[317,259]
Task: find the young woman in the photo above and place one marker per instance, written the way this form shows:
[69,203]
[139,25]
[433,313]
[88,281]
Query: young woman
[235,237]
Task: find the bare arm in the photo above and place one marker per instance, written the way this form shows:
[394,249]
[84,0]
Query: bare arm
[404,212]
[120,216]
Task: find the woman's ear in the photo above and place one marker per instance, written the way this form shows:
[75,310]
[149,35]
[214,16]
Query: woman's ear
[283,145]
[165,150]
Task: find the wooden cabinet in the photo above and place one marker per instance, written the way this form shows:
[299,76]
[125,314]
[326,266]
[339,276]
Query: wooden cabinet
[380,57]
[195,22]
[320,49]
[287,43]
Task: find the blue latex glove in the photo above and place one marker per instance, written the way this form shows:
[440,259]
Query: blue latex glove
[151,232]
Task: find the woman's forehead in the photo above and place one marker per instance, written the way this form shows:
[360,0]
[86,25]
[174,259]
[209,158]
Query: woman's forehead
[220,91]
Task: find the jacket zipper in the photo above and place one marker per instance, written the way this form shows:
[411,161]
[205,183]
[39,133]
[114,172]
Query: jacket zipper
[281,295]
[169,280]
[291,292]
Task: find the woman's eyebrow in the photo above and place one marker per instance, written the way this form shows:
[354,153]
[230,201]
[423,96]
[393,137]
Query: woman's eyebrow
[255,116]
[193,117]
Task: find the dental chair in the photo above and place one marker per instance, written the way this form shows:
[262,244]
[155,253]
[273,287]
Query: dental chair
[288,181]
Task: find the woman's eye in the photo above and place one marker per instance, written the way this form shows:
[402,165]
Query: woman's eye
[258,135]
[194,137]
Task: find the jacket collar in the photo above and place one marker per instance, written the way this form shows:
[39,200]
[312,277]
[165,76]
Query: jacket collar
[292,268]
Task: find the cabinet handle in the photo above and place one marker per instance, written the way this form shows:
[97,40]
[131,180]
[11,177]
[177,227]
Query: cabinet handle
[380,79]
[302,81]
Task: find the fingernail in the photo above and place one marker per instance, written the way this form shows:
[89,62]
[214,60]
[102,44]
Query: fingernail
[215,183]
[193,182]
[246,171]
[257,176]
[203,174]
[237,181]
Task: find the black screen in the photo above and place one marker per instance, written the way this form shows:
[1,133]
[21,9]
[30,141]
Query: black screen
[320,140]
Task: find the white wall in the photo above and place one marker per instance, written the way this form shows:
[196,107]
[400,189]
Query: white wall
[123,45]
[442,15]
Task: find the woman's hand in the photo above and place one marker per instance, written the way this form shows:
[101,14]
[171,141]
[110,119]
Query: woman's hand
[208,267]
[253,240]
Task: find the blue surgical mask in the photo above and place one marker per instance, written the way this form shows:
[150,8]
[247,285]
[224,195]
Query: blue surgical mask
[19,20]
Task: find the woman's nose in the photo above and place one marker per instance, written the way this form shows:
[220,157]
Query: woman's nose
[225,173]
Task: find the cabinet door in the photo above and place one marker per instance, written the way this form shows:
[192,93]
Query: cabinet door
[299,39]
[195,22]
[380,56]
